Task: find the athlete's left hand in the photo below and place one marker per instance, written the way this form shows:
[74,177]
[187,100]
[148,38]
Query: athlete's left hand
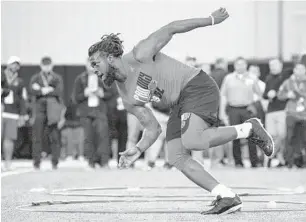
[128,157]
[220,15]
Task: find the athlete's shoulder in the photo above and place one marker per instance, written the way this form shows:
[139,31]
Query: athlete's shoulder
[130,57]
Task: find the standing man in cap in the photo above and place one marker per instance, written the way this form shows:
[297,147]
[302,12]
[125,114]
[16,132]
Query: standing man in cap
[13,96]
[46,87]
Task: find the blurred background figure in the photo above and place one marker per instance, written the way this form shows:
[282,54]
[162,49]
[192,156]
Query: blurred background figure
[135,128]
[294,91]
[72,133]
[276,116]
[237,95]
[90,95]
[220,71]
[220,154]
[191,61]
[198,155]
[46,87]
[13,107]
[152,154]
[117,119]
[303,59]
[258,104]
[206,67]
[295,59]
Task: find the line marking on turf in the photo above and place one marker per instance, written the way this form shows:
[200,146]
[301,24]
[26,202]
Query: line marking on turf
[262,204]
[38,190]
[17,172]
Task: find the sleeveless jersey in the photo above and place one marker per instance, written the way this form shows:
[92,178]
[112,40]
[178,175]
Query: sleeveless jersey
[161,80]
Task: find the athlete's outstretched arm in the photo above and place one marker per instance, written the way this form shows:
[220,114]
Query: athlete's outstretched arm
[146,49]
[152,128]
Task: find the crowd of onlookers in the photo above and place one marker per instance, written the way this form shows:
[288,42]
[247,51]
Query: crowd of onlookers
[94,125]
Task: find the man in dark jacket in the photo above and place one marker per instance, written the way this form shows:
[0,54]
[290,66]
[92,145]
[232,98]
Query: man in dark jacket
[293,90]
[220,71]
[276,116]
[218,74]
[90,95]
[46,88]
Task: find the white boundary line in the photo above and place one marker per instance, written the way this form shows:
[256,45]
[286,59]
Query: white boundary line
[16,172]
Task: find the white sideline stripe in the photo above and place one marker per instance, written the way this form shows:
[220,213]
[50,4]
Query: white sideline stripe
[16,172]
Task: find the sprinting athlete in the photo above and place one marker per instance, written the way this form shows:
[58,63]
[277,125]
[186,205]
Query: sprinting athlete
[145,75]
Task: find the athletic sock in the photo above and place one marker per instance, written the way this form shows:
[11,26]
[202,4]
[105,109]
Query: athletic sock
[243,130]
[222,191]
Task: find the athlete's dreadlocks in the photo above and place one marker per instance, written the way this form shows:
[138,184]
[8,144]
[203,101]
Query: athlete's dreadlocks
[109,44]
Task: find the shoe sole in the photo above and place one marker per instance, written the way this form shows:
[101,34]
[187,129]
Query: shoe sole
[270,137]
[232,210]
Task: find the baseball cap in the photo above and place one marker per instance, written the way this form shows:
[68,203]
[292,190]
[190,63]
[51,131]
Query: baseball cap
[13,59]
[46,60]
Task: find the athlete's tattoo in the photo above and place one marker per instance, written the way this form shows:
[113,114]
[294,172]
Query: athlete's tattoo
[151,126]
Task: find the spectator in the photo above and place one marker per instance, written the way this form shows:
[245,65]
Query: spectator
[276,116]
[151,155]
[258,108]
[295,59]
[134,129]
[254,71]
[303,59]
[72,133]
[222,152]
[90,95]
[220,71]
[206,67]
[237,94]
[13,98]
[294,91]
[191,61]
[117,117]
[46,88]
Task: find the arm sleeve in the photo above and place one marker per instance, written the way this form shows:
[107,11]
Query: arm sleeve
[267,89]
[4,86]
[58,88]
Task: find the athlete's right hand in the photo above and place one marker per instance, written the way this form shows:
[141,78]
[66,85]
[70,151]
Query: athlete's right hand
[128,157]
[219,15]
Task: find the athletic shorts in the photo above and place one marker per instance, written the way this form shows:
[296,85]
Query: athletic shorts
[201,96]
[9,128]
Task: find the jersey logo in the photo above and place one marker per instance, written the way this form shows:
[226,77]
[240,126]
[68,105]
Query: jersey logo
[147,90]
